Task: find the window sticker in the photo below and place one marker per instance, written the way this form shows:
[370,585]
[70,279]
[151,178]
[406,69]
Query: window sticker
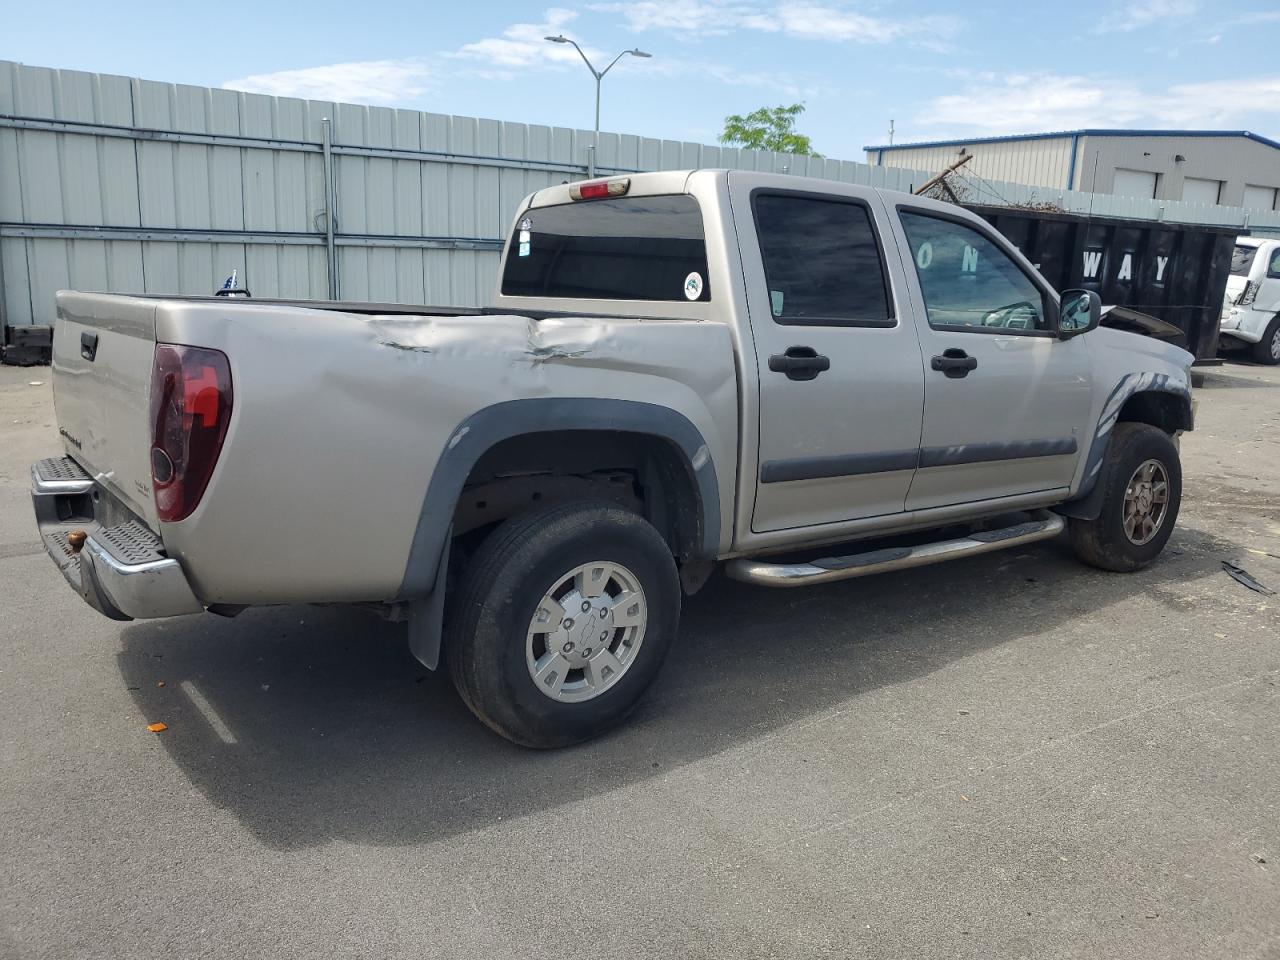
[524,248]
[693,286]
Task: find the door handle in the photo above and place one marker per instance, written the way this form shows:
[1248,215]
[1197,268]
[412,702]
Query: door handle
[88,345]
[799,363]
[954,363]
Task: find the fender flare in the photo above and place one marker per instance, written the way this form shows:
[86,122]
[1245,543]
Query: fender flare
[1087,503]
[491,425]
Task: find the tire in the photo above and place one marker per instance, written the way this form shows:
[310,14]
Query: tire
[1105,542]
[1267,350]
[493,650]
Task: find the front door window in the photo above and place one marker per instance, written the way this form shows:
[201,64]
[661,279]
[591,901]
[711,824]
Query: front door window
[968,282]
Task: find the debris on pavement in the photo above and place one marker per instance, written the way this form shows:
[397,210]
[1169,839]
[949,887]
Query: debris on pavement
[157,727]
[1240,575]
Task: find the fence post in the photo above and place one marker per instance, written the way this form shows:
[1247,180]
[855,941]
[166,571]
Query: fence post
[4,297]
[335,288]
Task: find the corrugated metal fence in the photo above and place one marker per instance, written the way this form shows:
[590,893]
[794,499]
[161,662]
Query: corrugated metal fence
[119,184]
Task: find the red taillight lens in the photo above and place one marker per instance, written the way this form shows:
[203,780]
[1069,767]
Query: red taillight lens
[599,189]
[190,412]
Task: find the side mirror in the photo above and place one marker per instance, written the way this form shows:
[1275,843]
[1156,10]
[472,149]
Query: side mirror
[1079,311]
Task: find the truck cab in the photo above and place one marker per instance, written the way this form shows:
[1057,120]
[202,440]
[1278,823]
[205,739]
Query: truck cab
[1251,308]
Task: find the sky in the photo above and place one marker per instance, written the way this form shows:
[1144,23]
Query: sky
[937,70]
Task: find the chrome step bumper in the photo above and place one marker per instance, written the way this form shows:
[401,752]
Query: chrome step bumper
[828,569]
[120,568]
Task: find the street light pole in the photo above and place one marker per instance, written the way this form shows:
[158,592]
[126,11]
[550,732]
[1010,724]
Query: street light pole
[599,77]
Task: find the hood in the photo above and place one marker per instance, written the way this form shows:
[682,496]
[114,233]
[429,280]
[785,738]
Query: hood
[1148,354]
[1134,321]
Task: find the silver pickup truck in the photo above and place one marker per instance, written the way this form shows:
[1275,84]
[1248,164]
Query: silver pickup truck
[802,380]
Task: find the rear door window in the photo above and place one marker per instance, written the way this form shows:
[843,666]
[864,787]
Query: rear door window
[623,248]
[822,261]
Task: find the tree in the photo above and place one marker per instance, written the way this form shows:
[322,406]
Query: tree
[769,128]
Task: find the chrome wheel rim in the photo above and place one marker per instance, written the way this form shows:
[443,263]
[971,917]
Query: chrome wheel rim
[1146,502]
[1275,345]
[586,631]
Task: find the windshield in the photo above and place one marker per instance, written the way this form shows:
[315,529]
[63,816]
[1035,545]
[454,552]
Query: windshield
[626,248]
[1242,260]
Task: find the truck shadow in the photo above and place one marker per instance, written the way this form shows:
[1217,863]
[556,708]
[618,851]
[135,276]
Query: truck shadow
[315,724]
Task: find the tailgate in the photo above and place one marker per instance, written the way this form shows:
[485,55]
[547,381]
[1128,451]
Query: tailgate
[103,348]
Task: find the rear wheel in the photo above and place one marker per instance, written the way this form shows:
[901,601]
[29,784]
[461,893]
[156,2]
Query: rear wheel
[1267,350]
[1142,491]
[562,620]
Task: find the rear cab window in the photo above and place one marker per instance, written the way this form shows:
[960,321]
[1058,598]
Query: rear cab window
[622,248]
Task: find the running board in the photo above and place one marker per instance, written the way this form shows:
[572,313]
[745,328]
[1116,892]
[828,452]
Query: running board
[766,574]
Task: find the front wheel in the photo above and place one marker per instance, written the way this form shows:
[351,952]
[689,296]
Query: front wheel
[562,620]
[1141,492]
[1267,350]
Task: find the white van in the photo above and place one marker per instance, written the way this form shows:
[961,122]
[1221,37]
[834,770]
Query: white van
[1251,310]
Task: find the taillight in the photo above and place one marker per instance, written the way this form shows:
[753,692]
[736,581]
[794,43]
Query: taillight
[1248,294]
[190,411]
[599,189]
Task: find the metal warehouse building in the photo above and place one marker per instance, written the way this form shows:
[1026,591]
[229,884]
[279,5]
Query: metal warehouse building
[1233,168]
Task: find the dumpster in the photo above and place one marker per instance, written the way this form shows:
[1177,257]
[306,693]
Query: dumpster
[1176,272]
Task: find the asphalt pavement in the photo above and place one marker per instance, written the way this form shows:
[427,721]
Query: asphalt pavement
[1008,756]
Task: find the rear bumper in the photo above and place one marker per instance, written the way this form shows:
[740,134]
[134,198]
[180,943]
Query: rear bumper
[121,569]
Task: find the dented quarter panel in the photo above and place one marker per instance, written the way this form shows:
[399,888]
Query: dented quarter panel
[339,420]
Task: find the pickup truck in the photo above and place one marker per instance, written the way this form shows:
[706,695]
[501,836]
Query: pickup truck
[799,380]
[1251,307]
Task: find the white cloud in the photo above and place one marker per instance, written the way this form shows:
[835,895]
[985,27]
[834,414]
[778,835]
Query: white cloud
[686,16]
[520,47]
[1220,103]
[1030,103]
[796,18]
[811,21]
[1145,13]
[525,45]
[1036,103]
[701,72]
[370,81]
[1258,16]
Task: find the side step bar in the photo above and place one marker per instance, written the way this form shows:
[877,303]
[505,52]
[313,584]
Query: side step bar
[767,574]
